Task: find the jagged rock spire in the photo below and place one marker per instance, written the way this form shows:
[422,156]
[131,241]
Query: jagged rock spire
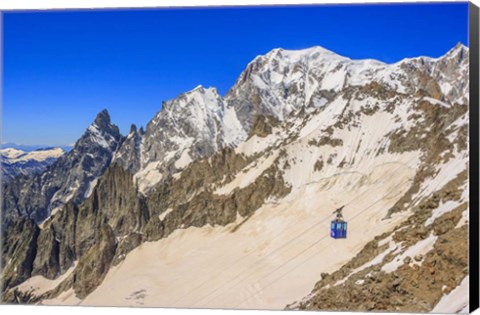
[103,117]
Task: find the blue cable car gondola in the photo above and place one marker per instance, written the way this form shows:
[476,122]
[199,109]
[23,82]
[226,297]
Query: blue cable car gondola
[338,227]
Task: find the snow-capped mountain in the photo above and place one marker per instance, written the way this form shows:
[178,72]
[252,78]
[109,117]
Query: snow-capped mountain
[196,124]
[242,188]
[71,177]
[17,162]
[200,122]
[33,147]
[285,81]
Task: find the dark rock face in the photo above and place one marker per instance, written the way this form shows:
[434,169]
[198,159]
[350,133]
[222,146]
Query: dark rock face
[126,245]
[94,264]
[128,155]
[192,205]
[263,126]
[18,254]
[66,229]
[47,260]
[86,233]
[203,207]
[116,198]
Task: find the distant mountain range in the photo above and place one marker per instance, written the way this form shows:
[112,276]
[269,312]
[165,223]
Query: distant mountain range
[33,147]
[16,162]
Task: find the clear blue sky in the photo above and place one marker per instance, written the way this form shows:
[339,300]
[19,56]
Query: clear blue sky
[61,68]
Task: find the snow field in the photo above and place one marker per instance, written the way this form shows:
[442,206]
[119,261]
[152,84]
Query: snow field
[273,259]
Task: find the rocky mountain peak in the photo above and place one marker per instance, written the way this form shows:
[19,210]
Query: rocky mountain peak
[133,128]
[311,53]
[200,94]
[198,88]
[103,118]
[458,53]
[128,154]
[459,47]
[101,133]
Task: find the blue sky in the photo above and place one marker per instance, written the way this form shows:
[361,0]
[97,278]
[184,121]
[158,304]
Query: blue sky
[61,68]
